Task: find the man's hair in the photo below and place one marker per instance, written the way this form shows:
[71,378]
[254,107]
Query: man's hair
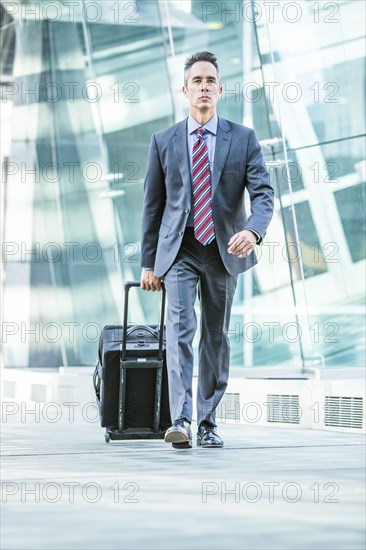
[199,56]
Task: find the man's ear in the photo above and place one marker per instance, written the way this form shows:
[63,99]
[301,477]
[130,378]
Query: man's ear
[184,90]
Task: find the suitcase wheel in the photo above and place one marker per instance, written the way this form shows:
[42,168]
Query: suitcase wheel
[107,437]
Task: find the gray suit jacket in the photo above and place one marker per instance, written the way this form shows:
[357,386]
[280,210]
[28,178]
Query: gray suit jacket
[238,164]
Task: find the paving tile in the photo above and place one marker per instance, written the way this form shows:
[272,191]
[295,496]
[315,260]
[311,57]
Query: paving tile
[268,489]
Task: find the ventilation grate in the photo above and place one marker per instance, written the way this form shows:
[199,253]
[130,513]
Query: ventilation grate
[9,388]
[39,393]
[345,412]
[66,394]
[229,408]
[283,408]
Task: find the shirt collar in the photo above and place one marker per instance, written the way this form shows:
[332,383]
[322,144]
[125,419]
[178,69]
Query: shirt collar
[210,126]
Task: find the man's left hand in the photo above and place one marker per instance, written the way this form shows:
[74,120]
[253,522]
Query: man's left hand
[242,244]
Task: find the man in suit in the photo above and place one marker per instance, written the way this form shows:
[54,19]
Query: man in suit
[195,233]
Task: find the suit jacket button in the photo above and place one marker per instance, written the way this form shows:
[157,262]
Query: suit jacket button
[180,233]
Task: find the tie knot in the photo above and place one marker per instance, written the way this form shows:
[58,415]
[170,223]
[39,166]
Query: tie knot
[201,131]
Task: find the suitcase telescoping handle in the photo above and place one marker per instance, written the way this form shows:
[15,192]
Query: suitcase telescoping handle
[131,284]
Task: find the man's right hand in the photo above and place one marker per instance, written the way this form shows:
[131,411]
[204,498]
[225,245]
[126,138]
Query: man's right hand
[149,281]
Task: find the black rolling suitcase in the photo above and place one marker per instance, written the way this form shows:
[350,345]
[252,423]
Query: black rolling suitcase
[130,378]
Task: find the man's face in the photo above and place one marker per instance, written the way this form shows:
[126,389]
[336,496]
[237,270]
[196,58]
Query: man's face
[203,88]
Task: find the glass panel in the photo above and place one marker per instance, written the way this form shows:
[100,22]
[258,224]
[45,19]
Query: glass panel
[309,248]
[319,77]
[352,206]
[90,148]
[309,91]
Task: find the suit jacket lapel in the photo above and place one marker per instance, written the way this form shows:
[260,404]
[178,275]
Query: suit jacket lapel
[223,140]
[181,150]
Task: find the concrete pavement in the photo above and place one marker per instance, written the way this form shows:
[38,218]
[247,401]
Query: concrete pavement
[278,488]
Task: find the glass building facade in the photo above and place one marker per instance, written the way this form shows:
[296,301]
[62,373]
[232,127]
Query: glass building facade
[85,84]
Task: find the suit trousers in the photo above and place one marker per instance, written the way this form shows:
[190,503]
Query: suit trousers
[198,267]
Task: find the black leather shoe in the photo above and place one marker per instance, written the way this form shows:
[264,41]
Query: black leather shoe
[180,446]
[179,434]
[207,437]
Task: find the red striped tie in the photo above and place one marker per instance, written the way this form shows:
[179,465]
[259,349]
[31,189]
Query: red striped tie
[203,222]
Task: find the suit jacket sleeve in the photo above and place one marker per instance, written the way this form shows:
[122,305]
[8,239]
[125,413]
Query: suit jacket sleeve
[259,188]
[153,206]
